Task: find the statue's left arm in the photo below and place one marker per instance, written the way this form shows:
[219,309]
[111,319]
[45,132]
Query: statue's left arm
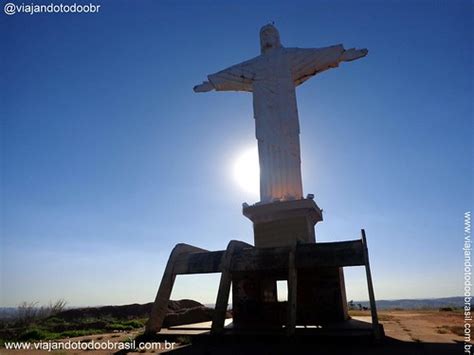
[308,62]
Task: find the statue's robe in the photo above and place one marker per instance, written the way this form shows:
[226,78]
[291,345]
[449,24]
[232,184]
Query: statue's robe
[272,78]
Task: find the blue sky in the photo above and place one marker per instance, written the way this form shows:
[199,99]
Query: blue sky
[109,159]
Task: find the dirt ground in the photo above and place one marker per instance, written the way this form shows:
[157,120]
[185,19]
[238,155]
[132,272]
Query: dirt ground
[418,332]
[423,326]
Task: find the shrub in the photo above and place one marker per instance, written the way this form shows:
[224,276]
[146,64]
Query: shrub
[134,323]
[79,333]
[29,313]
[126,325]
[35,334]
[118,326]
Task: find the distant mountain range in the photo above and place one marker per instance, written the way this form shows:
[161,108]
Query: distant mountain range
[428,303]
[416,303]
[7,313]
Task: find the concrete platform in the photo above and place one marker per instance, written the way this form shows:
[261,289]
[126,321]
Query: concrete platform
[355,327]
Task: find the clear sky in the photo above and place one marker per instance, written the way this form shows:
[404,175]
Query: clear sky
[109,159]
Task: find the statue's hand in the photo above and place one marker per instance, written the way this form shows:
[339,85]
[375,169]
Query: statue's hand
[353,54]
[204,87]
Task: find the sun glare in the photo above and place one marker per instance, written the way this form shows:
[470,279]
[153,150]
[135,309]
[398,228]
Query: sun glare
[246,171]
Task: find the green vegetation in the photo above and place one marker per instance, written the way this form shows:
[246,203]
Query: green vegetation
[30,312]
[50,330]
[47,323]
[36,333]
[124,326]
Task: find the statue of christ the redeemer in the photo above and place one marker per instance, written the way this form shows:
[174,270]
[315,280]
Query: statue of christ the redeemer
[272,78]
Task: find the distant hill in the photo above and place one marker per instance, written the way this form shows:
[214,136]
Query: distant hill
[429,303]
[178,312]
[9,313]
[416,303]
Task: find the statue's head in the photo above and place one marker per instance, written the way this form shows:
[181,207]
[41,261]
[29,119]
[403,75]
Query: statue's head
[269,38]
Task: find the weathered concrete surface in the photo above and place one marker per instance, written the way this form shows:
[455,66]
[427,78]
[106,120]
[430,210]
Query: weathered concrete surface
[158,311]
[284,223]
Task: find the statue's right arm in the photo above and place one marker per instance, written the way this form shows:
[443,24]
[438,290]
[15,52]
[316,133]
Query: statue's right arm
[235,78]
[353,54]
[204,87]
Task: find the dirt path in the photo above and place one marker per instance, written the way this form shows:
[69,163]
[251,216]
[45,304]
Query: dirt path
[423,326]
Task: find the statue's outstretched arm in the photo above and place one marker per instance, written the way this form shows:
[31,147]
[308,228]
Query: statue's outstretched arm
[204,87]
[235,78]
[308,62]
[353,54]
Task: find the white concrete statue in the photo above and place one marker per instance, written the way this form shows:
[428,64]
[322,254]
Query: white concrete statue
[272,78]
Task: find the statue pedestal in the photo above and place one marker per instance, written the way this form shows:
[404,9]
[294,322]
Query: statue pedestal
[282,224]
[285,250]
[320,291]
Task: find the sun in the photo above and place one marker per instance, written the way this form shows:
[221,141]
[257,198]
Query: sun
[246,171]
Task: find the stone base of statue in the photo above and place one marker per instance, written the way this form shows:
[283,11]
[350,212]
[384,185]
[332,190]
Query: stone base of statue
[320,298]
[285,249]
[320,291]
[281,224]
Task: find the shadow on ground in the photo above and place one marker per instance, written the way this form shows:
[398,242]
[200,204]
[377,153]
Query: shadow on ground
[333,346]
[390,346]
